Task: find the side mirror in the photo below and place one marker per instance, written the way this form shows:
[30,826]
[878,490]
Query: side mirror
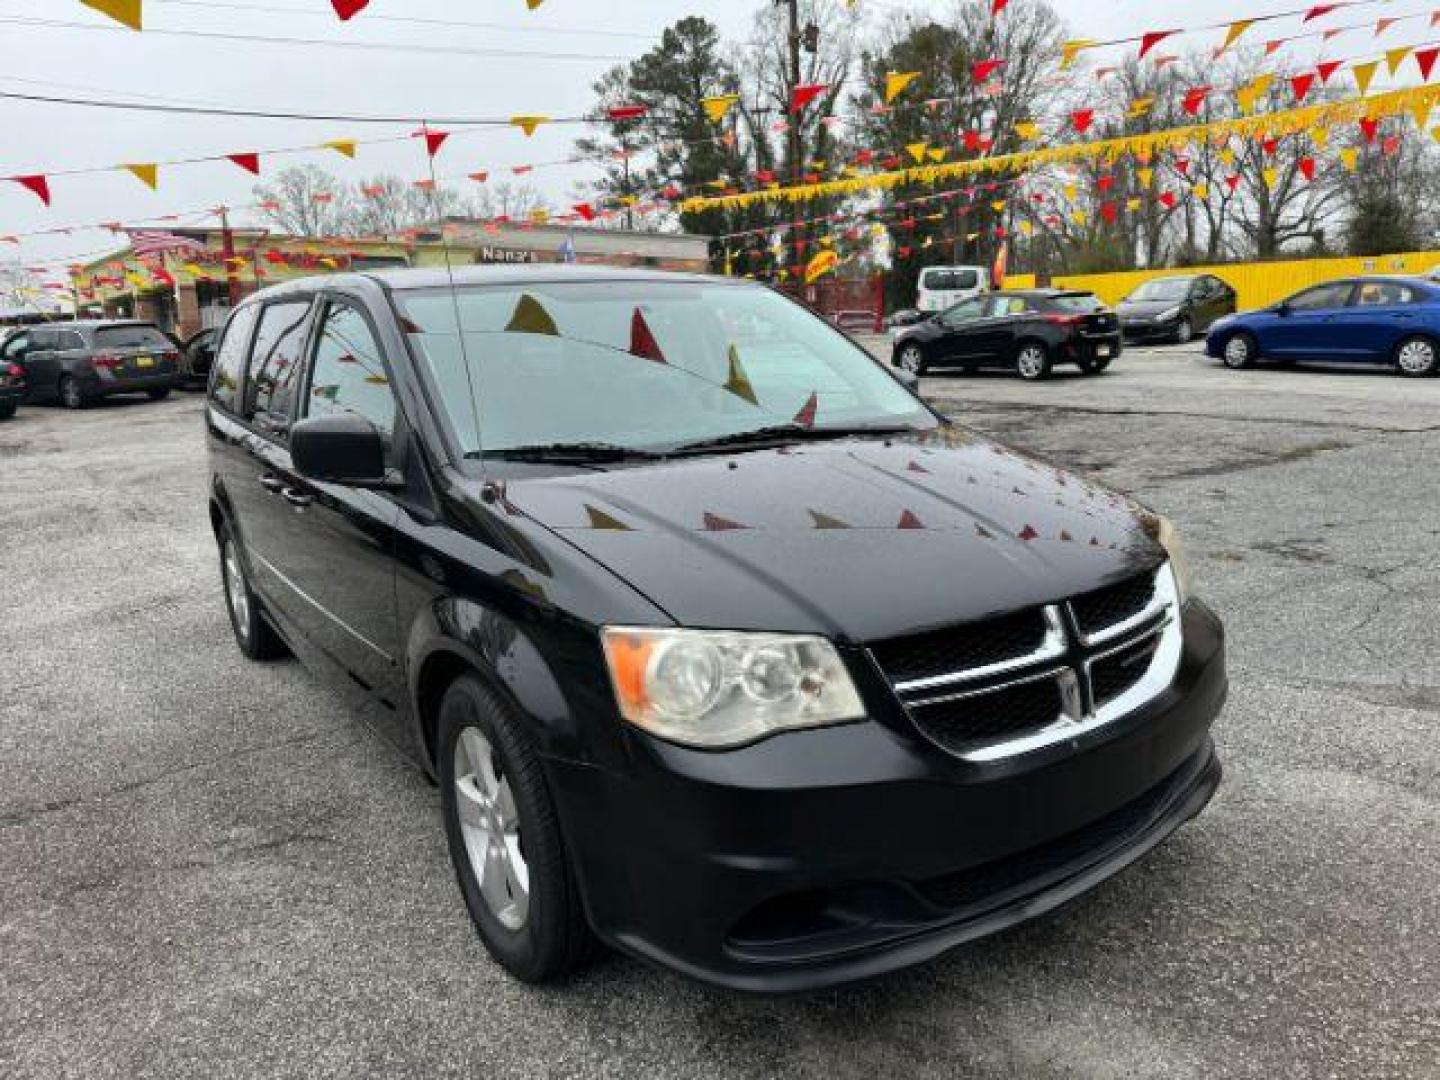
[340,449]
[1283,308]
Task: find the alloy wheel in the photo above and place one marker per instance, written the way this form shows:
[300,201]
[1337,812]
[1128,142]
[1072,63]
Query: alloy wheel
[912,359]
[236,590]
[1031,362]
[70,394]
[1184,332]
[1416,357]
[1237,351]
[490,825]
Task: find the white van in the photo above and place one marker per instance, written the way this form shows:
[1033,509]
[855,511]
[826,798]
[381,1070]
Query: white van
[943,286]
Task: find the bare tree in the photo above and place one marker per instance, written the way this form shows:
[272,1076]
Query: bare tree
[305,200]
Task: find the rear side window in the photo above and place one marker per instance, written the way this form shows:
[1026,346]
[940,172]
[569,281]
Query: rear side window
[230,358]
[1079,302]
[1008,305]
[128,337]
[274,370]
[1374,293]
[349,374]
[70,339]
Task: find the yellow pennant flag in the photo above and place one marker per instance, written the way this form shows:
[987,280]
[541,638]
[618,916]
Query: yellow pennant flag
[1145,176]
[1026,228]
[342,146]
[1132,205]
[1435,133]
[896,82]
[1070,191]
[1078,216]
[917,151]
[1202,190]
[1348,157]
[716,107]
[122,11]
[1071,49]
[147,173]
[1421,112]
[137,280]
[195,270]
[1249,94]
[1139,107]
[1320,136]
[998,205]
[1227,157]
[1271,175]
[1395,57]
[1363,74]
[1027,130]
[528,124]
[937,154]
[820,265]
[1237,28]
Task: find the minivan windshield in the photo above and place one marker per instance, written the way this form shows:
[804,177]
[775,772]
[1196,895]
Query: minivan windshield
[1175,288]
[641,365]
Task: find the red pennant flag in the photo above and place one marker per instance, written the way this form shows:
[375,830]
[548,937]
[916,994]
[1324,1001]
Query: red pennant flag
[1268,146]
[1232,182]
[1104,182]
[806,416]
[970,140]
[1368,127]
[1390,145]
[1307,167]
[1328,68]
[249,162]
[908,520]
[1167,200]
[1182,166]
[1272,47]
[1107,211]
[433,140]
[1151,38]
[983,69]
[1027,534]
[348,9]
[37,184]
[1194,98]
[997,6]
[276,257]
[479,177]
[803,95]
[1425,60]
[642,339]
[626,112]
[585,210]
[1300,85]
[1081,119]
[1319,10]
[716,523]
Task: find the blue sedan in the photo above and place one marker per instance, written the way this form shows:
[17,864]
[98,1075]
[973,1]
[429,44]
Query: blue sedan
[1370,320]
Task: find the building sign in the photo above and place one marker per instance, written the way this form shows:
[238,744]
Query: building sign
[489,254]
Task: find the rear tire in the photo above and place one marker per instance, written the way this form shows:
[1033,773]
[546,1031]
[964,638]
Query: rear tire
[1240,351]
[1417,357]
[7,409]
[1032,361]
[256,638]
[504,836]
[71,396]
[160,393]
[1094,367]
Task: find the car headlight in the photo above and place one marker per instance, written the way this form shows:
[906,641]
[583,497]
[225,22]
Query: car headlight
[1168,314]
[1164,532]
[712,688]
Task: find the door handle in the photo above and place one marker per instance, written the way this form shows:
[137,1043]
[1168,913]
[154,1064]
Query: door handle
[271,482]
[296,498]
[1401,315]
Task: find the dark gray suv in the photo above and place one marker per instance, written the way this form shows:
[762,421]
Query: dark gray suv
[76,363]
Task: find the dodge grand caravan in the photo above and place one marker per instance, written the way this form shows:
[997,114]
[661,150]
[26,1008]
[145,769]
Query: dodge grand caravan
[723,648]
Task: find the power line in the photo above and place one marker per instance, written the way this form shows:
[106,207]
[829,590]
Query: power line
[210,5]
[366,46]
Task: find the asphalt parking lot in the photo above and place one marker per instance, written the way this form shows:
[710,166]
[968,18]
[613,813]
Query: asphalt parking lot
[211,868]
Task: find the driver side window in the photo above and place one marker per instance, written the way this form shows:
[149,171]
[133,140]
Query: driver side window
[16,347]
[1321,297]
[960,314]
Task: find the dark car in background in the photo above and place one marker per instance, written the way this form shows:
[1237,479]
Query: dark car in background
[1028,331]
[197,356]
[602,550]
[77,363]
[1391,321]
[12,387]
[1174,308]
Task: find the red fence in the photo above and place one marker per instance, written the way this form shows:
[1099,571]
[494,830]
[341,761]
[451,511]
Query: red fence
[850,303]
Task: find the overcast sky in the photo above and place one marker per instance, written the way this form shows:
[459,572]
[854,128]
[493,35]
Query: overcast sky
[45,138]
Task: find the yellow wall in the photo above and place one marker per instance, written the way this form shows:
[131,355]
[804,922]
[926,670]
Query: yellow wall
[1257,284]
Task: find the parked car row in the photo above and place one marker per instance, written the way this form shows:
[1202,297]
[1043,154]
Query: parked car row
[1392,321]
[77,363]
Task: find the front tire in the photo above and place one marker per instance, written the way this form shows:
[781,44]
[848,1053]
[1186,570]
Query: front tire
[1184,332]
[911,358]
[160,393]
[7,409]
[1417,357]
[1032,361]
[1240,351]
[256,638]
[71,396]
[504,837]
[1094,366]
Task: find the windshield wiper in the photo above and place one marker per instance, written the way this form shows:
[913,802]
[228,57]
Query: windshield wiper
[780,433]
[570,452]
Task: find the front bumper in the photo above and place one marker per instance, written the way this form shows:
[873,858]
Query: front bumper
[822,857]
[104,383]
[1149,330]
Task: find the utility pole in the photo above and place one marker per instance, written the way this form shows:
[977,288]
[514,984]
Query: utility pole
[227,247]
[793,130]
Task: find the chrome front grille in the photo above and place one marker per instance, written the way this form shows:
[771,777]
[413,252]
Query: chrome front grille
[1041,676]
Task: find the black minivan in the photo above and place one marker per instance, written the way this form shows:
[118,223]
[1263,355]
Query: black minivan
[77,363]
[722,646]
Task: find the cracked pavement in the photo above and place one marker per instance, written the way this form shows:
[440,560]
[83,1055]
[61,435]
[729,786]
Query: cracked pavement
[213,868]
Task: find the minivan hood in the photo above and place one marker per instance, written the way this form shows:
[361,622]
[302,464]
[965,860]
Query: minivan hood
[857,539]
